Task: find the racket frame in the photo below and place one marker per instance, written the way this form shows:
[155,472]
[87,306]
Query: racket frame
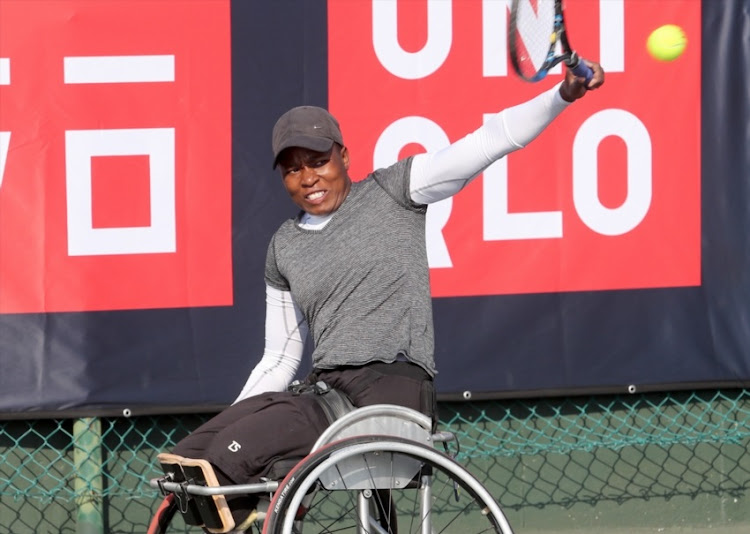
[559,34]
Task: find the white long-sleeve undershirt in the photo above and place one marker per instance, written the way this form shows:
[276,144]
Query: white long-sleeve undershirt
[438,175]
[434,176]
[286,331]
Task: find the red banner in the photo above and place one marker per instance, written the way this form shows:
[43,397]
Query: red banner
[608,197]
[115,155]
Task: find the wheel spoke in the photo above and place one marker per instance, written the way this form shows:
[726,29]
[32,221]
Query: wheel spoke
[378,476]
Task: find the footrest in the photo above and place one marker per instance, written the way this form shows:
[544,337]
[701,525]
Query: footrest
[170,465]
[208,511]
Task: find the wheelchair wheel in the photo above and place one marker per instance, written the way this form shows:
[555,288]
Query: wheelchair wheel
[365,484]
[163,516]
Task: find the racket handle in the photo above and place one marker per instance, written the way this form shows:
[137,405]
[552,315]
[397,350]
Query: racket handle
[579,67]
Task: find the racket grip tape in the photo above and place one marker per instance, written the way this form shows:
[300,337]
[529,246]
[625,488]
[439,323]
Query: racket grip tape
[579,67]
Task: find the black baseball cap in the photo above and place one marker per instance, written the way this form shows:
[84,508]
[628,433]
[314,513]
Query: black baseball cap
[308,127]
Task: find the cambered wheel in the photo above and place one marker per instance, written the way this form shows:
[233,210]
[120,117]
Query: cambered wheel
[363,484]
[164,515]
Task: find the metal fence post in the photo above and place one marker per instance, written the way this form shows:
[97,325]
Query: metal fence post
[87,458]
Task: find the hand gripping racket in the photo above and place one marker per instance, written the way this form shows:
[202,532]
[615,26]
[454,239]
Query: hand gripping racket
[536,34]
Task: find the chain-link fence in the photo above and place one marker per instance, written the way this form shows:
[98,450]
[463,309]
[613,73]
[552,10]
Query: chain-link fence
[91,474]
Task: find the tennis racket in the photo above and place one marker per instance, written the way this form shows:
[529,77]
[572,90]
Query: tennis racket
[538,40]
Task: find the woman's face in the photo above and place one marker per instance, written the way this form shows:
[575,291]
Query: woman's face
[317,182]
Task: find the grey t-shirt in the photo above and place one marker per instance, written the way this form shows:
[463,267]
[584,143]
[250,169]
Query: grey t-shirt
[362,281]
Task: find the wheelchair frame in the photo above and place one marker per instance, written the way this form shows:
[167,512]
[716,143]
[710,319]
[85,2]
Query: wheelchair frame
[371,451]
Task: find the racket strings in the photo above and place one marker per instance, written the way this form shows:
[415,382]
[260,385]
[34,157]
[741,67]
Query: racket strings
[533,35]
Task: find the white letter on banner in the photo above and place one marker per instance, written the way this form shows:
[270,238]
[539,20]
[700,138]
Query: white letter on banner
[411,65]
[612,25]
[631,130]
[80,147]
[498,223]
[432,137]
[118,69]
[4,146]
[495,37]
[4,136]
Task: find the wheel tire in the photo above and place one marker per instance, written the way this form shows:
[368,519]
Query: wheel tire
[163,516]
[471,510]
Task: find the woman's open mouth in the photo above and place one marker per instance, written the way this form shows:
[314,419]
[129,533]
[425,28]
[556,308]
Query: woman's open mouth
[315,196]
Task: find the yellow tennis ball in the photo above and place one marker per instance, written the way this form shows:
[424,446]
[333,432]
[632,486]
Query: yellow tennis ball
[667,42]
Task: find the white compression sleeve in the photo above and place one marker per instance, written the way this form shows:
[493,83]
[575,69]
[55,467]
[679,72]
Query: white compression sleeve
[286,330]
[439,175]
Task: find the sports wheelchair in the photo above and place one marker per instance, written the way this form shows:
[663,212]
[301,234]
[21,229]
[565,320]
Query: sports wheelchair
[375,470]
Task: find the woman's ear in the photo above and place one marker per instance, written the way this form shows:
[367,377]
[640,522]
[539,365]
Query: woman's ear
[345,157]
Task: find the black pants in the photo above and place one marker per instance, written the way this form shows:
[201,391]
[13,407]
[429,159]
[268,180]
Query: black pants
[243,441]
